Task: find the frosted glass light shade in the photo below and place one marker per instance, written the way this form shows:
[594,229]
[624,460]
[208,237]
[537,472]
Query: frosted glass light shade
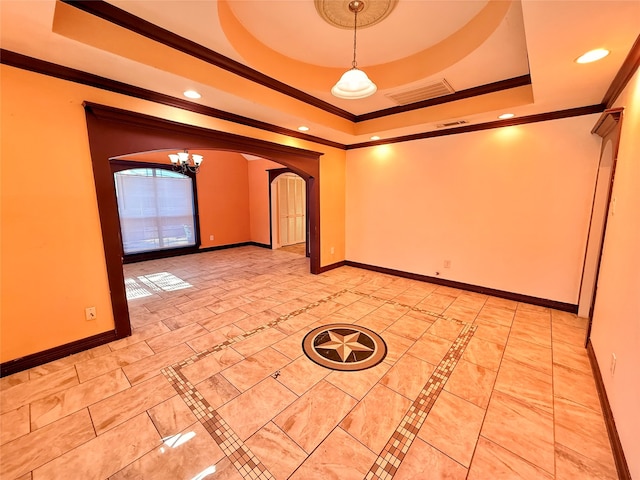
[183,156]
[354,84]
[184,162]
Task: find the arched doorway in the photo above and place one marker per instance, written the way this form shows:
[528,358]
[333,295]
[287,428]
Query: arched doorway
[115,132]
[289,210]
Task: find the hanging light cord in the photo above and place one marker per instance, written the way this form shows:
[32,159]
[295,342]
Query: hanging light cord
[355,28]
[354,83]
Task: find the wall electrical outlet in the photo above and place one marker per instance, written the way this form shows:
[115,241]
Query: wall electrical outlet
[447,264]
[210,237]
[90,313]
[333,250]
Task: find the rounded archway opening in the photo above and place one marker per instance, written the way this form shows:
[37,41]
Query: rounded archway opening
[114,133]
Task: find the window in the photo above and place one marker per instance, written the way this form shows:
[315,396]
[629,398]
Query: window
[156,209]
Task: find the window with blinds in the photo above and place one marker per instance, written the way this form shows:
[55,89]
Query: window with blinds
[156,208]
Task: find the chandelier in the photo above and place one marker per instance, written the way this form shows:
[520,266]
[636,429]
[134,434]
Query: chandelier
[180,162]
[354,83]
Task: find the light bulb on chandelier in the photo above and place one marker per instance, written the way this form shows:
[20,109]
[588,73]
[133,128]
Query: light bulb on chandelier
[180,162]
[354,83]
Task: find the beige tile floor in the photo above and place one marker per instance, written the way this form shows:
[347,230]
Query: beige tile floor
[518,401]
[299,248]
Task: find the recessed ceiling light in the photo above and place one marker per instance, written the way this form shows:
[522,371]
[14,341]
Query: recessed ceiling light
[592,55]
[375,137]
[504,116]
[303,128]
[192,94]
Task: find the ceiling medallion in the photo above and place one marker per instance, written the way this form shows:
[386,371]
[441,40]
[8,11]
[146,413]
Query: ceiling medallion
[337,13]
[345,347]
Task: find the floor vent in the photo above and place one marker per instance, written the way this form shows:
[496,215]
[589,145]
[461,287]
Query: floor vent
[451,124]
[426,92]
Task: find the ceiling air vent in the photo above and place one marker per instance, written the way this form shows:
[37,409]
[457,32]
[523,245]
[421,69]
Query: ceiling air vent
[426,92]
[451,124]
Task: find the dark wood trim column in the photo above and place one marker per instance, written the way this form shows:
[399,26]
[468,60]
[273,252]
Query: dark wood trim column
[114,132]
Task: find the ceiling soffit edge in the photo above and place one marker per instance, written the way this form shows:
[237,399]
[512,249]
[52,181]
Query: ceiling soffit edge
[460,95]
[42,67]
[406,70]
[627,70]
[463,108]
[540,117]
[119,17]
[24,62]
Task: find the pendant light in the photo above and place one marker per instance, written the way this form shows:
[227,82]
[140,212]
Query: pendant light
[354,83]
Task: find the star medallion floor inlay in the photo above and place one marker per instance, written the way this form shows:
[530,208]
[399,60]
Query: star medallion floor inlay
[346,347]
[237,369]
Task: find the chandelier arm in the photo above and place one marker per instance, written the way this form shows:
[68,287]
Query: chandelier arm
[180,162]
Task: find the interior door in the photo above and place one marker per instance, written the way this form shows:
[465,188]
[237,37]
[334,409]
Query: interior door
[291,209]
[596,230]
[607,127]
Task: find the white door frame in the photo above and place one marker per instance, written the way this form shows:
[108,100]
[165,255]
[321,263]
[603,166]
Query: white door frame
[275,216]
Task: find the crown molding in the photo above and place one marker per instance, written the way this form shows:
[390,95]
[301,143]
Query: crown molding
[117,16]
[622,78]
[24,62]
[31,64]
[541,117]
[452,97]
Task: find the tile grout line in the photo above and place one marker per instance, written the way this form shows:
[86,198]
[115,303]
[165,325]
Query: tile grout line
[243,336]
[247,464]
[418,309]
[394,452]
[553,397]
[412,308]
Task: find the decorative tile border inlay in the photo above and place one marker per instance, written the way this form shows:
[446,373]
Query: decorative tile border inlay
[386,465]
[249,466]
[231,445]
[393,453]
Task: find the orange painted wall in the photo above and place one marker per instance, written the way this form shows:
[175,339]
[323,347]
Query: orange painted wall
[259,208]
[53,263]
[616,316]
[332,194]
[223,196]
[509,208]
